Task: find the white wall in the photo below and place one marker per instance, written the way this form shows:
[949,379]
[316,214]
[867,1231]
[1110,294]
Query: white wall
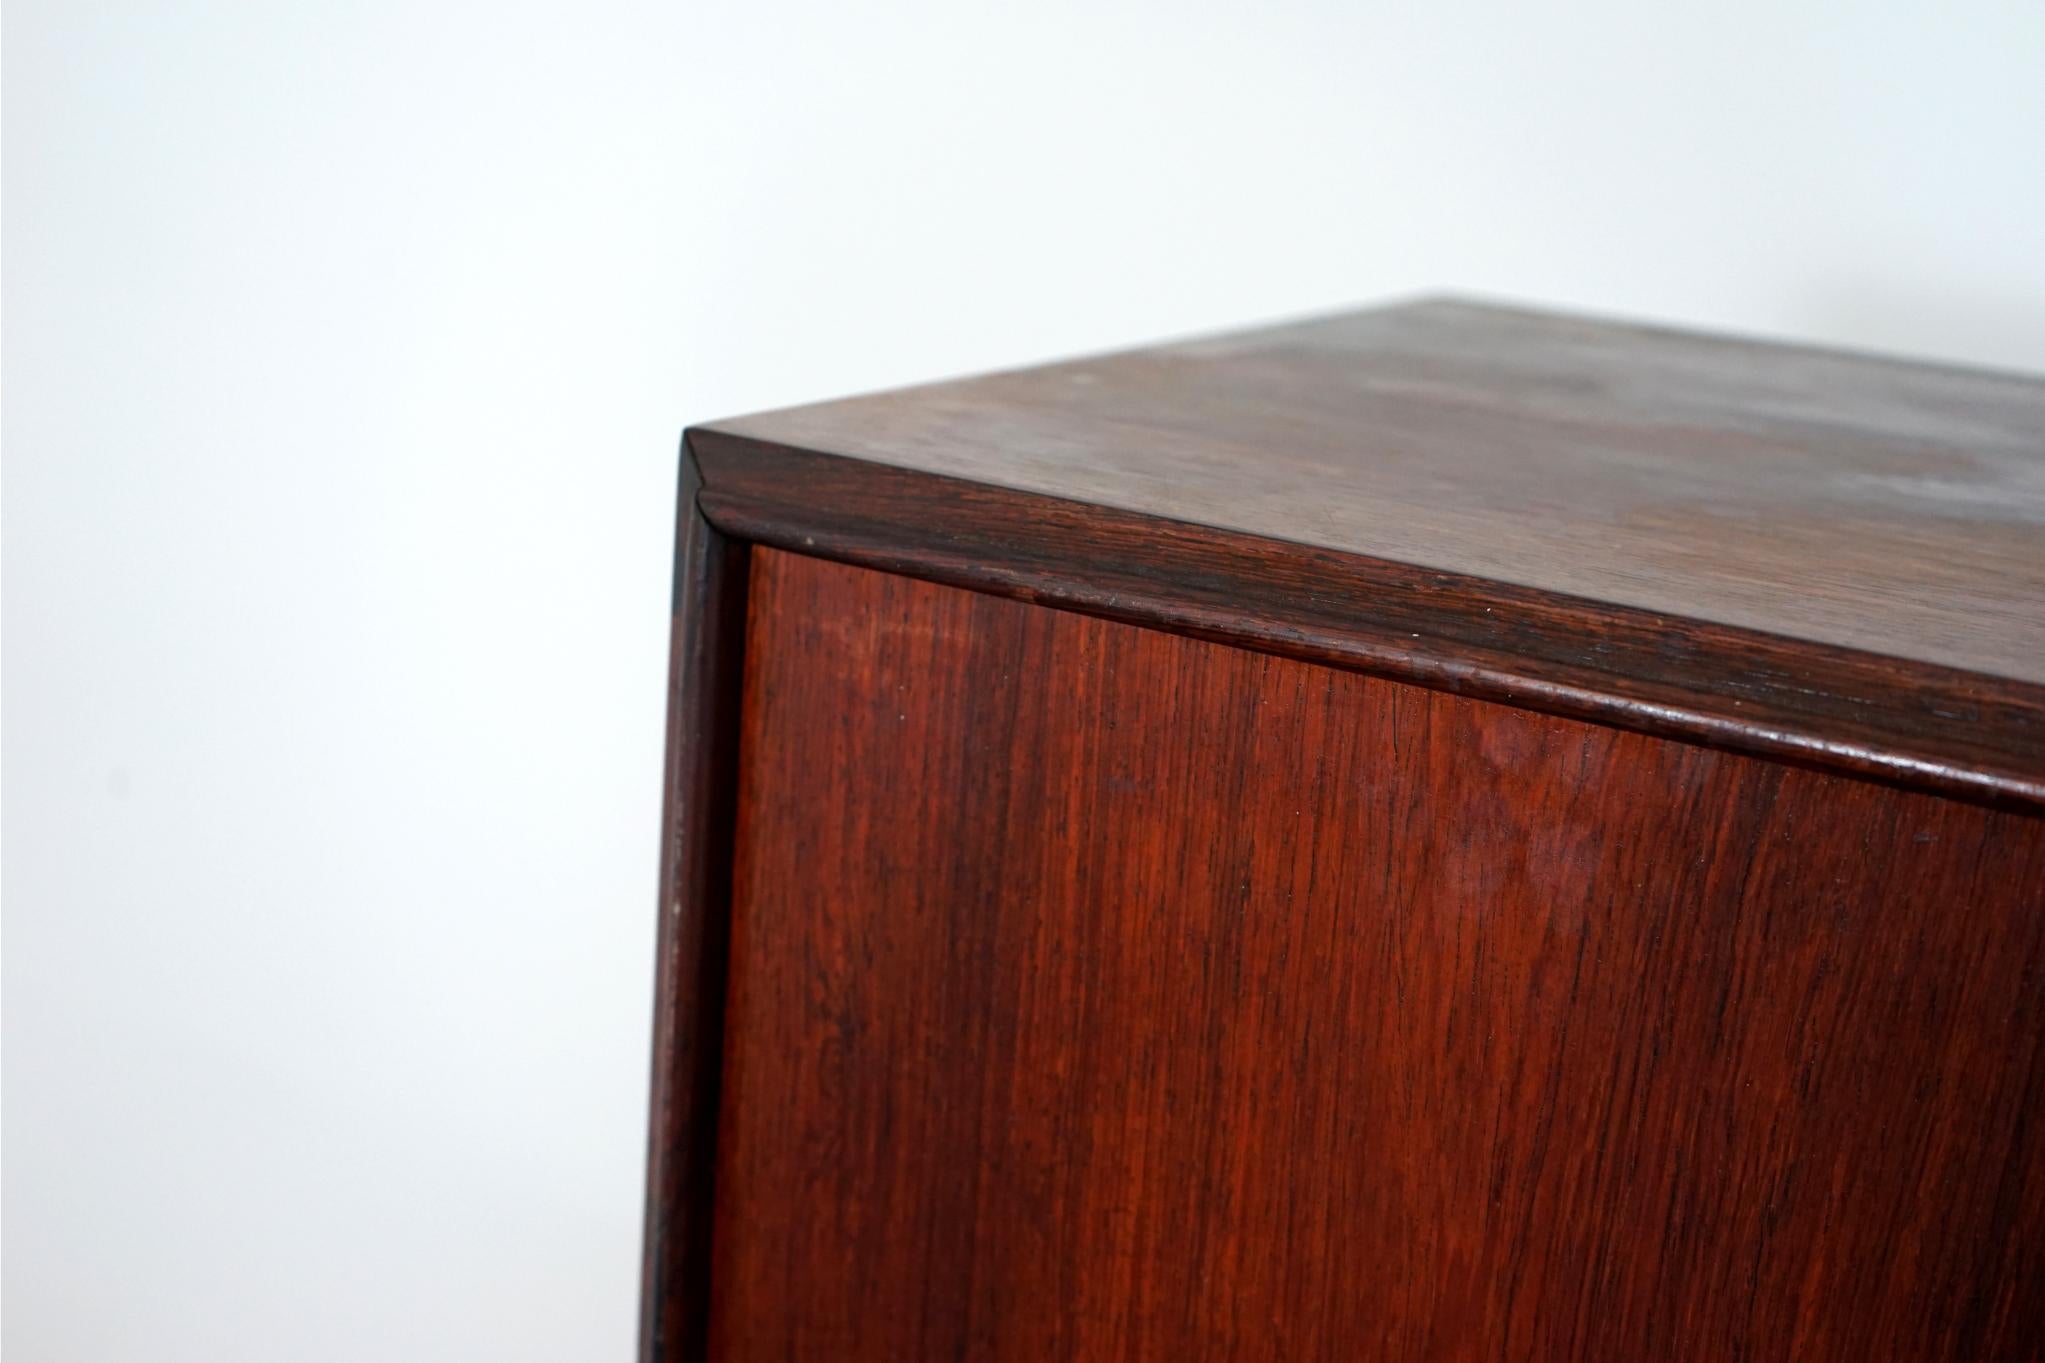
[346,349]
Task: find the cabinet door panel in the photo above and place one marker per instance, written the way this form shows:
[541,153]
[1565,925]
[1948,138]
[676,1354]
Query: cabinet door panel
[1100,993]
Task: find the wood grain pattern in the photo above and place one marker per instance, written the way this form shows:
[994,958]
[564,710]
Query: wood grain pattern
[1870,504]
[1925,727]
[706,660]
[1097,992]
[1821,558]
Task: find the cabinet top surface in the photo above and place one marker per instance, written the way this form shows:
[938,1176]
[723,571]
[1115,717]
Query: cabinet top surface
[1838,499]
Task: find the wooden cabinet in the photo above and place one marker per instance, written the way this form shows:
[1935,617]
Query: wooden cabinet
[1445,832]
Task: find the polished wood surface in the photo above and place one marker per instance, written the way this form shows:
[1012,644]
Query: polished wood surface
[1874,504]
[1916,724]
[1096,992]
[699,787]
[1780,550]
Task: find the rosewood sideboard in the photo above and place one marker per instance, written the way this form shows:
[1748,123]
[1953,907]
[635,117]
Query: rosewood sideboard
[1442,832]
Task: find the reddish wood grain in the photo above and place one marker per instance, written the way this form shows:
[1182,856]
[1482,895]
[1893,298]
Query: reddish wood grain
[1918,724]
[1805,554]
[1815,495]
[706,656]
[1096,992]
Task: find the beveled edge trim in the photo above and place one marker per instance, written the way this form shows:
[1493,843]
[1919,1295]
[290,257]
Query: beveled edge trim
[1952,732]
[698,836]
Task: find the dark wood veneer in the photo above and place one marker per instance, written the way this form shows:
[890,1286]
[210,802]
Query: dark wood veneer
[1436,833]
[706,653]
[1919,724]
[1869,504]
[1822,557]
[1202,1004]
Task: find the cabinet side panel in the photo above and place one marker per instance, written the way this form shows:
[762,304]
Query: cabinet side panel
[1097,992]
[700,776]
